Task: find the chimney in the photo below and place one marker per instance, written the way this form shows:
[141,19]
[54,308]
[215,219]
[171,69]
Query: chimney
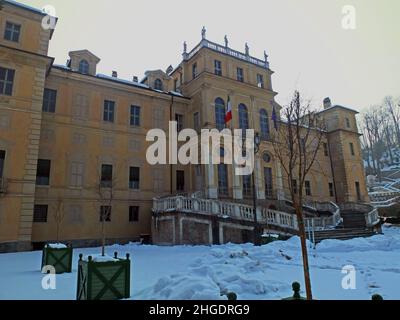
[135,79]
[327,103]
[115,74]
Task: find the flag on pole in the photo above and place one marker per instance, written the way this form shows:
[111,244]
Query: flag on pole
[228,115]
[274,118]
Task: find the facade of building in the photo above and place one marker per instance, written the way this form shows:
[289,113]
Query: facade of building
[70,137]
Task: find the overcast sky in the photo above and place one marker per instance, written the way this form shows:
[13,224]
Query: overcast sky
[309,49]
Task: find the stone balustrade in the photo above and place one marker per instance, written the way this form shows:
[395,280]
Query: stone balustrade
[245,212]
[228,51]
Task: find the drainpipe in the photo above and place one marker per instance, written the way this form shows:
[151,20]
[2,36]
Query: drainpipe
[333,171]
[171,165]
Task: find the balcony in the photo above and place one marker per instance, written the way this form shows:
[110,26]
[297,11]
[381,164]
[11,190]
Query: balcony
[228,51]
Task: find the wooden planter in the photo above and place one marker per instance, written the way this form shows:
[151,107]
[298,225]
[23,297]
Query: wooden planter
[59,258]
[103,280]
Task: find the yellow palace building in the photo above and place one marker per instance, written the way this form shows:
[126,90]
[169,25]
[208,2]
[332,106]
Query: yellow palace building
[67,132]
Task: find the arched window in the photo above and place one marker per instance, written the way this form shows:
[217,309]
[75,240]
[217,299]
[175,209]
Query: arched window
[84,67]
[264,124]
[158,85]
[243,118]
[220,114]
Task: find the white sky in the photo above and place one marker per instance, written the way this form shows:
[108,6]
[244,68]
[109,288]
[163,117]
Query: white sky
[308,48]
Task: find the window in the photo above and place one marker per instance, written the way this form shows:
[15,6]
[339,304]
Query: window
[43,172]
[264,124]
[239,73]
[194,70]
[358,191]
[307,185]
[40,213]
[2,159]
[247,186]
[223,179]
[352,149]
[176,85]
[158,85]
[81,107]
[12,32]
[105,213]
[260,81]
[6,81]
[243,118]
[266,157]
[218,67]
[158,118]
[179,121]
[134,178]
[106,175]
[331,190]
[75,214]
[294,186]
[196,121]
[135,145]
[79,138]
[348,123]
[269,189]
[180,180]
[220,114]
[326,149]
[197,169]
[158,180]
[84,67]
[109,109]
[77,174]
[49,100]
[135,116]
[133,214]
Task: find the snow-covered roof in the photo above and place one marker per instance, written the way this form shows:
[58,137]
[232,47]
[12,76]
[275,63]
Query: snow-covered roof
[26,7]
[122,81]
[339,106]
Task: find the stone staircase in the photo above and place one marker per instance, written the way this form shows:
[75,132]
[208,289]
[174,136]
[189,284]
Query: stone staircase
[353,219]
[343,234]
[353,226]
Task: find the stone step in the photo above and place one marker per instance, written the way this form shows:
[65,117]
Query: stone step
[343,234]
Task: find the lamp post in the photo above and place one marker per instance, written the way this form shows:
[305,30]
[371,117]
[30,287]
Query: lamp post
[257,230]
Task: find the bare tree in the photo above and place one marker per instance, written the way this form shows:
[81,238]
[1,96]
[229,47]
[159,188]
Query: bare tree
[59,215]
[373,129]
[296,143]
[394,111]
[105,189]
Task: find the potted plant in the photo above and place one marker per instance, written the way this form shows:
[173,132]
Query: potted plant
[57,254]
[103,277]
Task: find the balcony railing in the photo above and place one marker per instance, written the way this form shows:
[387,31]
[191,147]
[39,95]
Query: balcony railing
[240,211]
[228,51]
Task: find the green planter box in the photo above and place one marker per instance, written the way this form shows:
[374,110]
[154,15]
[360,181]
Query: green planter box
[59,258]
[103,280]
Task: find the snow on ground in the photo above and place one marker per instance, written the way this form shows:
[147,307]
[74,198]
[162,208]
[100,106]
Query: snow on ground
[202,272]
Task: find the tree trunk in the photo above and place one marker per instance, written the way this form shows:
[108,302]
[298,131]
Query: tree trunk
[304,251]
[103,238]
[58,232]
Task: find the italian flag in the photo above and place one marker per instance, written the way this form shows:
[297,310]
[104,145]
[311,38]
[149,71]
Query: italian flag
[228,115]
